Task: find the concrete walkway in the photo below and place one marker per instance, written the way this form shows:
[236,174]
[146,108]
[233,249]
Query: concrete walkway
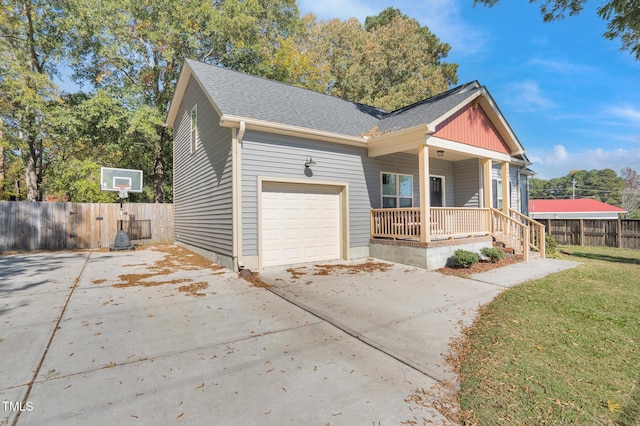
[144,337]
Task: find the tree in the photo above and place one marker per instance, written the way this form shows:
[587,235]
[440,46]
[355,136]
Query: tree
[622,16]
[134,48]
[631,192]
[603,185]
[389,62]
[33,34]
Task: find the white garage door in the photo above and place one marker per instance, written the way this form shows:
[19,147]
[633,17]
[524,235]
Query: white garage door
[300,223]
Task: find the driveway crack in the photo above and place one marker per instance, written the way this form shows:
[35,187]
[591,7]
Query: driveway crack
[53,334]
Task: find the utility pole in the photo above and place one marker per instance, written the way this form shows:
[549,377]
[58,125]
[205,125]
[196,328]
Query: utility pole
[573,186]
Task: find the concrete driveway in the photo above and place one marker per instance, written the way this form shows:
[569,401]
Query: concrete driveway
[408,313]
[157,335]
[161,335]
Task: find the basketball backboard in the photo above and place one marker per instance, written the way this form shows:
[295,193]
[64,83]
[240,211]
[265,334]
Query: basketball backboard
[112,179]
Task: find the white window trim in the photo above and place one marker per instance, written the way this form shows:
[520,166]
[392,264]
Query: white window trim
[397,196]
[444,188]
[194,140]
[499,200]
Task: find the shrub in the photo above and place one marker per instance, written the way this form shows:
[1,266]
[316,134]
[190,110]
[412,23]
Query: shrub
[464,258]
[493,254]
[551,247]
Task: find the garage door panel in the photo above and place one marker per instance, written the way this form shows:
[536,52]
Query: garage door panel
[300,223]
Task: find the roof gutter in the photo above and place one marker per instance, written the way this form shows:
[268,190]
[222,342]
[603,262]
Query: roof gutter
[236,194]
[233,121]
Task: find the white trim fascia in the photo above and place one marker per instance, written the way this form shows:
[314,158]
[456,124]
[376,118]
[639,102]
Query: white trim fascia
[402,140]
[233,121]
[475,151]
[181,87]
[483,95]
[454,110]
[503,121]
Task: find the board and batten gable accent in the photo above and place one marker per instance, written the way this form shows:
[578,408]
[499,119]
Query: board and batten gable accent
[202,179]
[470,125]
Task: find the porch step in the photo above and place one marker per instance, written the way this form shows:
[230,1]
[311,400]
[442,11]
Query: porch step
[508,251]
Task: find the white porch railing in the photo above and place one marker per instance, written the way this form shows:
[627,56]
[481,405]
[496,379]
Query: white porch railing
[452,222]
[445,222]
[536,232]
[511,232]
[401,224]
[520,232]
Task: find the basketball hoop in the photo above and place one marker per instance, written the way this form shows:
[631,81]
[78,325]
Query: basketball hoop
[123,190]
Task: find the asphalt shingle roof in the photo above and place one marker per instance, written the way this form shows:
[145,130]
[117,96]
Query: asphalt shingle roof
[244,95]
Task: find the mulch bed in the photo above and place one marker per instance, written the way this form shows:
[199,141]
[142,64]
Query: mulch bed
[482,266]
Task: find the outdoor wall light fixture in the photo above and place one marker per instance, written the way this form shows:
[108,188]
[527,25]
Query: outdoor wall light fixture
[309,162]
[440,153]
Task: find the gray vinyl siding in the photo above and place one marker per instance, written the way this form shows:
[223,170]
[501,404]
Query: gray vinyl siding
[467,183]
[524,190]
[513,177]
[202,180]
[444,168]
[275,156]
[513,182]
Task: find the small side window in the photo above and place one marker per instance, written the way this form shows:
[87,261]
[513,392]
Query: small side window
[194,129]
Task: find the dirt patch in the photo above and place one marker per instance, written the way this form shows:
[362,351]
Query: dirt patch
[193,289]
[176,258]
[253,278]
[295,273]
[135,280]
[482,266]
[368,266]
[100,281]
[181,258]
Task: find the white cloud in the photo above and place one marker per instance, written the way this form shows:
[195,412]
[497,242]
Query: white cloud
[526,96]
[562,67]
[559,161]
[443,18]
[343,9]
[626,113]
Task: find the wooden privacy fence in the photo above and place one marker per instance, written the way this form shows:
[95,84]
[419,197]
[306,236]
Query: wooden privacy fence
[57,226]
[622,233]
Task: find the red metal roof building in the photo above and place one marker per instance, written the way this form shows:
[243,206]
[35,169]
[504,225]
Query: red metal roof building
[583,208]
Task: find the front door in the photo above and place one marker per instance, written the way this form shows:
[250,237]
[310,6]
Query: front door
[437,192]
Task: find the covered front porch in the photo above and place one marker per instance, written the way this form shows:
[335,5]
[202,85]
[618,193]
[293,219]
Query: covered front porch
[451,228]
[484,195]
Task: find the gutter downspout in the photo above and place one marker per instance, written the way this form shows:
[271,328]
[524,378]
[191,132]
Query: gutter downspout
[237,137]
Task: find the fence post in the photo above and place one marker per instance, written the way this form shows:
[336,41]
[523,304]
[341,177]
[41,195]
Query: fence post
[582,232]
[619,232]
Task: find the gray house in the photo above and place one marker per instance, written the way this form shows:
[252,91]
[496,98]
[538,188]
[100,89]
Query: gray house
[269,174]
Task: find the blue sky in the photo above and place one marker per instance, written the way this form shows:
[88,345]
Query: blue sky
[570,95]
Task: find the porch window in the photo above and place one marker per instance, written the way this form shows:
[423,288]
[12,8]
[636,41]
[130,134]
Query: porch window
[194,129]
[397,190]
[499,194]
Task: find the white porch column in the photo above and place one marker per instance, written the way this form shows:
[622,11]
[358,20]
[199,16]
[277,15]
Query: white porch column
[486,182]
[425,193]
[506,194]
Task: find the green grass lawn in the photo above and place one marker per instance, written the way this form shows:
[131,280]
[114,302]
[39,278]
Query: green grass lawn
[563,350]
